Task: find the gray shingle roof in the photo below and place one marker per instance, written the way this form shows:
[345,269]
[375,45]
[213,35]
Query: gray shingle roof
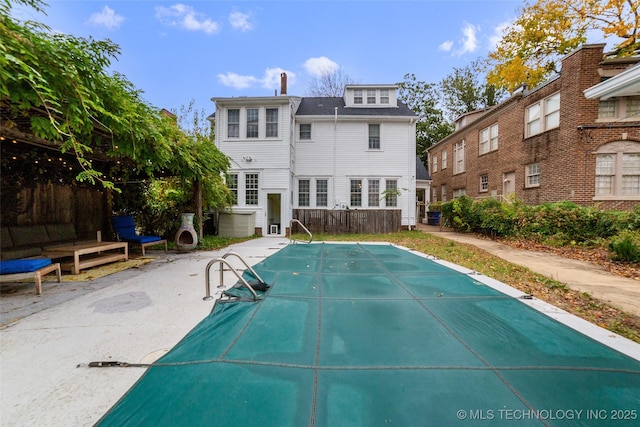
[421,170]
[325,106]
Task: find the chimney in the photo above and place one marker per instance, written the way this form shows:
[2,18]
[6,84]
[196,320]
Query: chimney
[283,83]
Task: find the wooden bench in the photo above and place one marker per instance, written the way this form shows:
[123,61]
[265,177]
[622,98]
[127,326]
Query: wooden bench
[37,275]
[87,255]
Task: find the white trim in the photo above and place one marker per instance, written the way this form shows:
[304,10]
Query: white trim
[627,83]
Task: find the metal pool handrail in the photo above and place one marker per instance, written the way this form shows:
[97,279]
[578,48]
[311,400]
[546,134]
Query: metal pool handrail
[224,261]
[303,227]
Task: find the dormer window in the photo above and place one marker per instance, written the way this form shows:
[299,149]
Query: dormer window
[384,96]
[371,96]
[374,96]
[357,96]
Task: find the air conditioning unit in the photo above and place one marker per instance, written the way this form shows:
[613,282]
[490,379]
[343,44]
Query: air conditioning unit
[343,205]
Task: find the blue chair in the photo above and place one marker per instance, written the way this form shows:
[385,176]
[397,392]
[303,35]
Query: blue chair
[126,232]
[16,269]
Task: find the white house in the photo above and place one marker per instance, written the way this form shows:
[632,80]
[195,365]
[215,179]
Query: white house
[357,151]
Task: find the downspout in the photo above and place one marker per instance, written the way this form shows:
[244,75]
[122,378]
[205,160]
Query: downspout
[335,131]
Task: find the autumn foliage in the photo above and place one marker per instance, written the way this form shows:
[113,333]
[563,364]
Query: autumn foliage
[546,30]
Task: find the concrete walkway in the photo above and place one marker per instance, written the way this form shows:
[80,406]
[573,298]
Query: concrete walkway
[620,292]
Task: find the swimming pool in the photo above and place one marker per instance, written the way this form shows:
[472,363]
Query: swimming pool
[373,334]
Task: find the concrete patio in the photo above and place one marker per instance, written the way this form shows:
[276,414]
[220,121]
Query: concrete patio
[134,316]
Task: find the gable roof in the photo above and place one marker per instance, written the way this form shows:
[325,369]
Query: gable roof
[326,106]
[421,171]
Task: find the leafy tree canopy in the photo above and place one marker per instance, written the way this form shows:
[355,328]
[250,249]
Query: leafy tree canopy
[431,125]
[531,47]
[463,91]
[61,82]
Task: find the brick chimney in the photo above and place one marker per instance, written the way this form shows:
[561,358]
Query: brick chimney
[283,83]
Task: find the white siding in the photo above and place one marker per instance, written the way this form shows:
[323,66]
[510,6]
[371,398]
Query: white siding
[337,152]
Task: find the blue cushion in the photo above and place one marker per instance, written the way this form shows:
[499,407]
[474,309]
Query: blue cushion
[14,266]
[124,226]
[141,239]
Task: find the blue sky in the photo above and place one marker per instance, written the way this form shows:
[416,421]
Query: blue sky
[178,51]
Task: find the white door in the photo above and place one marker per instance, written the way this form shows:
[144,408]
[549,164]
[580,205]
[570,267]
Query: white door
[508,184]
[274,226]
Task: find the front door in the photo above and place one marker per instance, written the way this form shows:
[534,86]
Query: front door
[508,184]
[274,215]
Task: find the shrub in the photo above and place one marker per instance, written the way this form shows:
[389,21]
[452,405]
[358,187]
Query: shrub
[625,247]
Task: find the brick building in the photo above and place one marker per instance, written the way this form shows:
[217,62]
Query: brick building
[551,143]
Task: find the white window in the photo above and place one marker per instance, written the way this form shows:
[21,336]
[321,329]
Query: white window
[552,112]
[356,192]
[304,192]
[458,157]
[543,115]
[232,184]
[374,136]
[626,107]
[443,192]
[489,139]
[444,159]
[633,107]
[384,96]
[484,183]
[435,164]
[605,173]
[374,192]
[322,192]
[357,96]
[459,192]
[607,109]
[272,122]
[630,174]
[391,196]
[371,96]
[233,123]
[618,173]
[252,122]
[251,189]
[532,175]
[305,131]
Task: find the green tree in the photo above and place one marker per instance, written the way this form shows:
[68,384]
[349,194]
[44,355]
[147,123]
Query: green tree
[465,90]
[431,125]
[61,82]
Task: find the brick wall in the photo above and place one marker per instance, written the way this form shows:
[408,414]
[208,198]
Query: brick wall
[565,154]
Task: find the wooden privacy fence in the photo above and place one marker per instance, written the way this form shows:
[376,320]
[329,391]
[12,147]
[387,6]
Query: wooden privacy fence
[369,221]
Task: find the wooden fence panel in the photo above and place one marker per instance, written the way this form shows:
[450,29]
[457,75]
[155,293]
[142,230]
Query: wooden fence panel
[368,221]
[46,203]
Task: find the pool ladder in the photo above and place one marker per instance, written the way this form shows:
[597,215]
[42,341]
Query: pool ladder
[303,227]
[223,261]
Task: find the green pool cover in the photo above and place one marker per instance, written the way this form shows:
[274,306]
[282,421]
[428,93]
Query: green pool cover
[374,335]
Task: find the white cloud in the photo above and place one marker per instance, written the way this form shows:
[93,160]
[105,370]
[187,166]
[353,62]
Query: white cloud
[270,79]
[320,66]
[186,18]
[106,18]
[469,41]
[240,21]
[236,80]
[498,32]
[465,44]
[446,46]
